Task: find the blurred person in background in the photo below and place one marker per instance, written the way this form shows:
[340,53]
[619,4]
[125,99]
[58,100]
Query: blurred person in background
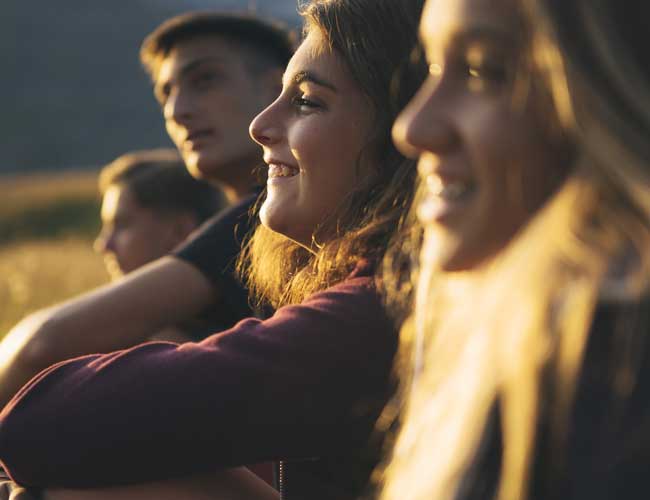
[212,73]
[526,364]
[150,204]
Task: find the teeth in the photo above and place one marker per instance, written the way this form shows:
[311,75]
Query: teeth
[447,191]
[281,171]
[454,191]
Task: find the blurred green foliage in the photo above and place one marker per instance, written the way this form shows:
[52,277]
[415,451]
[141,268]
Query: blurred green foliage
[55,219]
[48,206]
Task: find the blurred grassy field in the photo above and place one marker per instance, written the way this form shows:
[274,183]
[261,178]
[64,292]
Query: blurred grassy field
[47,224]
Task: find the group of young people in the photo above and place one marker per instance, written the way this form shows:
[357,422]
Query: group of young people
[514,267]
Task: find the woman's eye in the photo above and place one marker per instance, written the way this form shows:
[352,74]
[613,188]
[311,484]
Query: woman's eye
[494,74]
[303,103]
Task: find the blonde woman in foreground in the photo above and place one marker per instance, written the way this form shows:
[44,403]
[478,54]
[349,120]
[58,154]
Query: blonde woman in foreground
[527,369]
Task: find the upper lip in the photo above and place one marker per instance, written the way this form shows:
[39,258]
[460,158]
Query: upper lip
[444,171]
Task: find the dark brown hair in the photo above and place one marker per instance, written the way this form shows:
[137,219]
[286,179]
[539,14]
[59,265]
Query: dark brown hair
[267,43]
[374,39]
[158,180]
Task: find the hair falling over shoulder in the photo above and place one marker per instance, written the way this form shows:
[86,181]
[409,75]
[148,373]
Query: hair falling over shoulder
[512,336]
[374,39]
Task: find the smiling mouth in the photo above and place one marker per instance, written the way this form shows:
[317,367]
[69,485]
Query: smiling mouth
[448,191]
[444,199]
[278,170]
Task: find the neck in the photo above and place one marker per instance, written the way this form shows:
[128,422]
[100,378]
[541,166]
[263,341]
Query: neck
[241,182]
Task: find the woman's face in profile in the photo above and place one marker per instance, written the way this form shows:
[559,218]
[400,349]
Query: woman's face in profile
[312,137]
[484,160]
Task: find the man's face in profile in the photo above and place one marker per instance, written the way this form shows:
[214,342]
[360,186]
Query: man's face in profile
[133,235]
[209,97]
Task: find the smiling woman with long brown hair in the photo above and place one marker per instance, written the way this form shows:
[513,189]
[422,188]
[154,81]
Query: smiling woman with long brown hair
[305,385]
[528,363]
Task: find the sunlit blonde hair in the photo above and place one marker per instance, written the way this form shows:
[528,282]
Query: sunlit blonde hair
[508,333]
[374,39]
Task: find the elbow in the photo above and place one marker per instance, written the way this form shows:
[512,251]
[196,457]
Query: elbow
[41,345]
[27,349]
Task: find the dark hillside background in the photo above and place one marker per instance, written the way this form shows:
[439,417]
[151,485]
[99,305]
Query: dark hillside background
[73,93]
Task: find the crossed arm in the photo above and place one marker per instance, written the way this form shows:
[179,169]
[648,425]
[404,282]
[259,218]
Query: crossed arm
[230,484]
[112,317]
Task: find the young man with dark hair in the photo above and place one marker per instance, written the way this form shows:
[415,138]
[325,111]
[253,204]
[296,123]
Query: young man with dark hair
[211,87]
[212,74]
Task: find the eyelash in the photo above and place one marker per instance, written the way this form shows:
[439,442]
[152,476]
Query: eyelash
[492,74]
[299,101]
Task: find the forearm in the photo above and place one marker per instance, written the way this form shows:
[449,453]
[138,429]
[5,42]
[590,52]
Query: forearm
[112,317]
[261,391]
[229,484]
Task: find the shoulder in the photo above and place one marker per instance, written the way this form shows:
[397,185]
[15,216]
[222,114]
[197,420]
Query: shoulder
[352,304]
[223,222]
[213,248]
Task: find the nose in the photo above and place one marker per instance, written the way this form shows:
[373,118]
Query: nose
[104,242]
[266,128]
[425,124]
[179,106]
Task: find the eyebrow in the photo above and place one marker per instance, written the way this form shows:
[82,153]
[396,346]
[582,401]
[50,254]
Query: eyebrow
[308,76]
[478,33]
[188,68]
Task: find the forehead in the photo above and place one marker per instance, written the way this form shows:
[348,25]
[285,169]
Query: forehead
[204,47]
[444,19]
[117,199]
[314,55]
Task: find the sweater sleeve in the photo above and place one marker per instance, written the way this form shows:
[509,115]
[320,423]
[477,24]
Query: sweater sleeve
[303,383]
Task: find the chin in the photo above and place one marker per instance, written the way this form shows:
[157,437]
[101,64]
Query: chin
[201,171]
[285,228]
[193,169]
[272,221]
[200,166]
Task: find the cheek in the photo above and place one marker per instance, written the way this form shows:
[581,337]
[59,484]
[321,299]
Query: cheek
[510,159]
[125,240]
[310,142]
[538,165]
[330,162]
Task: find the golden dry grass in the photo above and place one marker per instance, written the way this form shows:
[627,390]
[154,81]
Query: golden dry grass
[39,266]
[40,273]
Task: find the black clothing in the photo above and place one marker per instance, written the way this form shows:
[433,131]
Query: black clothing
[213,250]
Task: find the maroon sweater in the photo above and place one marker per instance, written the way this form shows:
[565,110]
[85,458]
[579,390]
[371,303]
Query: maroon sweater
[305,383]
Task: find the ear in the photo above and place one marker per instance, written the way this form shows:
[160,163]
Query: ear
[184,224]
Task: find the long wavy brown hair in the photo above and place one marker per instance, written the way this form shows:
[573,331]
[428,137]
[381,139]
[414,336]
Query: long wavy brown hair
[374,38]
[521,347]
